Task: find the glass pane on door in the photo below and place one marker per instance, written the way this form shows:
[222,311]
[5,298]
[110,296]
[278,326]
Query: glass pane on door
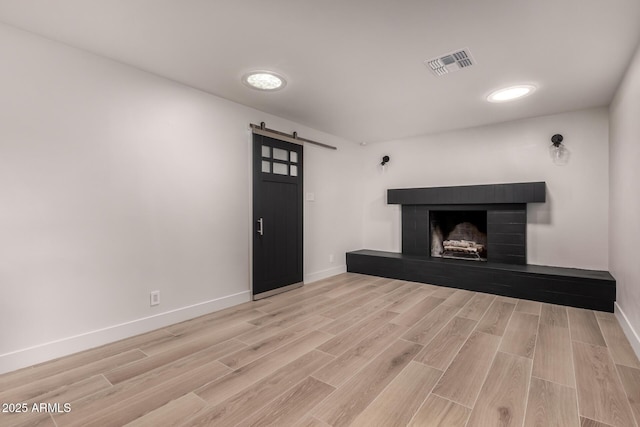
[280,169]
[280,154]
[266,166]
[266,151]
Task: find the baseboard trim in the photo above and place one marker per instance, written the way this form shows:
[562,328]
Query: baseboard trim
[632,334]
[66,346]
[319,275]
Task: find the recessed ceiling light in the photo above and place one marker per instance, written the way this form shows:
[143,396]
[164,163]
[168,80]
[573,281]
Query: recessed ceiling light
[511,93]
[264,80]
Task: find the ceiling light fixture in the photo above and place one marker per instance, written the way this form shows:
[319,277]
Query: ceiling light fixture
[264,80]
[511,93]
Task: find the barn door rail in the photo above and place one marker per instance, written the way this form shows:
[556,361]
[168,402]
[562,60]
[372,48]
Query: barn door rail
[262,129]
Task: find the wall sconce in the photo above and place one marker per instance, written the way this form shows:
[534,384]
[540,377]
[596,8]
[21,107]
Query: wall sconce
[385,160]
[558,151]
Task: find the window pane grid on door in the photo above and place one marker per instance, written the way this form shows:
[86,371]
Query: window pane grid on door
[279,161]
[279,168]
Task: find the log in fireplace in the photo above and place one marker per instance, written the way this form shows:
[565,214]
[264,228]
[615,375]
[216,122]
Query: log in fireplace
[458,234]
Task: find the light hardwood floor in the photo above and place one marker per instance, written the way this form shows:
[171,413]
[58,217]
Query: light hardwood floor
[350,350]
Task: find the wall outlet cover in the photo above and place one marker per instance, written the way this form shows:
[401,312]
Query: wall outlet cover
[155,298]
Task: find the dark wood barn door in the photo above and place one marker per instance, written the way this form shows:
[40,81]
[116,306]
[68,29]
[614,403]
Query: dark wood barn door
[277,215]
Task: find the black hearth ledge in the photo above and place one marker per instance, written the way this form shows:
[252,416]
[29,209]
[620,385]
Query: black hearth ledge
[591,289]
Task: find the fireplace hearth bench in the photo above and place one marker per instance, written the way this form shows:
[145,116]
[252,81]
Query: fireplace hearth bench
[505,272]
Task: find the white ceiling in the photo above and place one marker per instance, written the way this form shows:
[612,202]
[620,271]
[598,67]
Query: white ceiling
[355,67]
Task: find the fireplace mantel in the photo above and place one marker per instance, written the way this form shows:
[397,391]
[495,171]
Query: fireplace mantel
[524,192]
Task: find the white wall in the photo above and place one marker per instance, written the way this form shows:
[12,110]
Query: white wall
[115,182]
[624,232]
[569,230]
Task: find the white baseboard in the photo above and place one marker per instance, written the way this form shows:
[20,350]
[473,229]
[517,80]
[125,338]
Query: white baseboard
[319,275]
[632,334]
[63,347]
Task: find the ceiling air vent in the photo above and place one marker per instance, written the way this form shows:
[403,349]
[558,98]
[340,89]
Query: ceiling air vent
[450,62]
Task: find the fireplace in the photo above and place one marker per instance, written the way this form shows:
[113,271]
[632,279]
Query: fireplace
[480,223]
[437,219]
[493,233]
[458,234]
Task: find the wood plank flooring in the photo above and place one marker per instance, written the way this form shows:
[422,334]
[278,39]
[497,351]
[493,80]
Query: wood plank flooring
[349,350]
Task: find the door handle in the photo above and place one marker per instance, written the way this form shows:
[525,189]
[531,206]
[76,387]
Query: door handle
[260,227]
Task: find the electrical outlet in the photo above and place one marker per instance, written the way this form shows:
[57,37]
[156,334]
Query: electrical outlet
[330,257]
[155,298]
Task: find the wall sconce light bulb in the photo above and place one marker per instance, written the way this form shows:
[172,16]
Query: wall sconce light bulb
[558,151]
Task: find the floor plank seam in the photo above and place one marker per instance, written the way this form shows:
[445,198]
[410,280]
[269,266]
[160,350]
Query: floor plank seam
[287,391]
[452,400]
[454,356]
[519,356]
[422,404]
[106,379]
[347,378]
[624,389]
[493,360]
[143,352]
[529,380]
[207,405]
[590,343]
[573,363]
[381,392]
[171,333]
[573,367]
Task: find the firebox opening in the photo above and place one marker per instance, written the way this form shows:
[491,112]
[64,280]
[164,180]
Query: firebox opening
[459,234]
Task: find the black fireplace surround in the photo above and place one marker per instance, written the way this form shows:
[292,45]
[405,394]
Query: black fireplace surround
[505,271]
